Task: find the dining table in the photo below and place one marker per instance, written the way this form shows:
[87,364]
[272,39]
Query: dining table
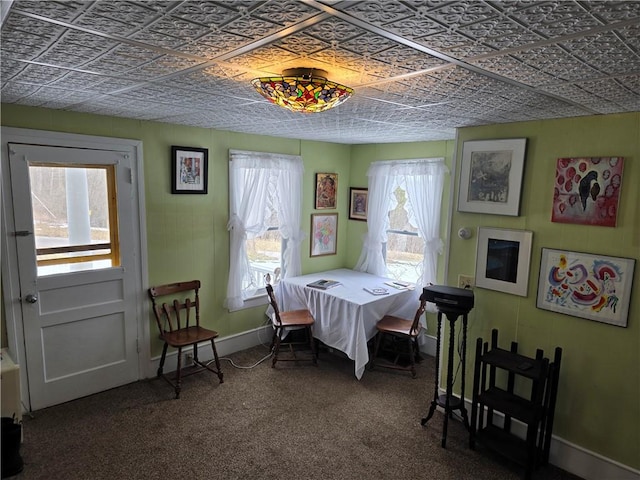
[346,314]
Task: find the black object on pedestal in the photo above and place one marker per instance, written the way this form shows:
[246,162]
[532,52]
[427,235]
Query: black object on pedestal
[453,303]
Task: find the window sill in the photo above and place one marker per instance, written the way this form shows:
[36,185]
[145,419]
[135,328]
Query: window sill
[257,300]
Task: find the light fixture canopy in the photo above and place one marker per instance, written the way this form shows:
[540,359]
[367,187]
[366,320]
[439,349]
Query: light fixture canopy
[304,90]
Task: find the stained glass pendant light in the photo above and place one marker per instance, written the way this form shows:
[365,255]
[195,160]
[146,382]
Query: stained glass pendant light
[304,90]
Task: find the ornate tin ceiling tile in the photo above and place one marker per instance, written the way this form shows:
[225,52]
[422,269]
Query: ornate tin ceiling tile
[380,12]
[211,14]
[284,12]
[64,11]
[509,60]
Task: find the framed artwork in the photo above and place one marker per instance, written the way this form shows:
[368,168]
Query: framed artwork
[189,169]
[326,190]
[502,260]
[595,287]
[587,190]
[358,203]
[491,176]
[324,234]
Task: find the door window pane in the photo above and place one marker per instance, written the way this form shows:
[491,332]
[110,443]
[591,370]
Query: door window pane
[75,226]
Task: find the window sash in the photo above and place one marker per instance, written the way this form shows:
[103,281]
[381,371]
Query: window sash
[69,254]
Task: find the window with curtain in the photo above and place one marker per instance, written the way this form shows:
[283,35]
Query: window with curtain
[404,250]
[265,199]
[403,224]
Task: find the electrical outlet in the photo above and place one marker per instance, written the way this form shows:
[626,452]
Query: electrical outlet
[188,358]
[466,281]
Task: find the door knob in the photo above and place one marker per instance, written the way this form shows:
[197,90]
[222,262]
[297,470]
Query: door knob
[31,298]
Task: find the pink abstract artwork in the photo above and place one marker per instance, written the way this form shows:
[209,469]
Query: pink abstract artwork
[587,190]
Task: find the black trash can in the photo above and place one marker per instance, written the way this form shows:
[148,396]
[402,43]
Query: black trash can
[12,463]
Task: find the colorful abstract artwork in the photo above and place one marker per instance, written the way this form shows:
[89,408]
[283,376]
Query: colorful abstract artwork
[595,287]
[587,190]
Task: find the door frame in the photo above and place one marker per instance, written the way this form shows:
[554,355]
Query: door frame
[12,306]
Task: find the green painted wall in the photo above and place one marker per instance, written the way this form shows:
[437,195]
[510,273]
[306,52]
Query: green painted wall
[187,235]
[599,399]
[599,395]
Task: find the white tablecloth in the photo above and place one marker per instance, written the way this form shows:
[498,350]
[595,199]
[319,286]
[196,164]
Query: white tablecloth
[346,315]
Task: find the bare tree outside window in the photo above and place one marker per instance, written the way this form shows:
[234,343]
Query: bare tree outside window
[265,252]
[404,250]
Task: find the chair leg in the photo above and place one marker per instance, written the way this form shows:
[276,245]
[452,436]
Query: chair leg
[217,361]
[412,356]
[162,359]
[273,339]
[178,373]
[416,347]
[313,346]
[375,350]
[276,347]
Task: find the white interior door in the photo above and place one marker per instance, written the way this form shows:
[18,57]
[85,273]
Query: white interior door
[79,318]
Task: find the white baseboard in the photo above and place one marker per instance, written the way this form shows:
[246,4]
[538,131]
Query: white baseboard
[586,464]
[428,345]
[224,346]
[570,457]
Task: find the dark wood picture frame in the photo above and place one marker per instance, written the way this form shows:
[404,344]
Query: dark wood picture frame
[189,170]
[358,203]
[326,191]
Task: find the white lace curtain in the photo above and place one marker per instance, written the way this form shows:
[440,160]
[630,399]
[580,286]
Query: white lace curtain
[423,180]
[257,180]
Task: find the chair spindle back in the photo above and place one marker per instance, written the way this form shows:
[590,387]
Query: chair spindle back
[177,314]
[419,313]
[274,304]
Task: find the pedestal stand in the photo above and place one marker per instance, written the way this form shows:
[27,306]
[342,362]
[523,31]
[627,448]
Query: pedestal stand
[448,401]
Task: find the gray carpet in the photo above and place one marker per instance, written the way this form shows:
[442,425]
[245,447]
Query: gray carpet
[296,421]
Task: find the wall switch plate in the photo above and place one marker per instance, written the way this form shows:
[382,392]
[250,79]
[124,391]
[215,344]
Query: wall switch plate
[466,281]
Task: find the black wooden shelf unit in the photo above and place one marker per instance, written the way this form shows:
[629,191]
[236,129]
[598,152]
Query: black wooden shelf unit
[495,376]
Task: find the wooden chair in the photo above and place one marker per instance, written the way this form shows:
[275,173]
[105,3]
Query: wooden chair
[286,322]
[400,329]
[173,321]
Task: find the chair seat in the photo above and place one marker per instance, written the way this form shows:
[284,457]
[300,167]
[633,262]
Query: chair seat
[397,325]
[188,336]
[285,322]
[293,318]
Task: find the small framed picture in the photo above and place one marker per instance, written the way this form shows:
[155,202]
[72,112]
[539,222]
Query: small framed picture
[358,203]
[189,169]
[324,234]
[491,176]
[326,191]
[502,260]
